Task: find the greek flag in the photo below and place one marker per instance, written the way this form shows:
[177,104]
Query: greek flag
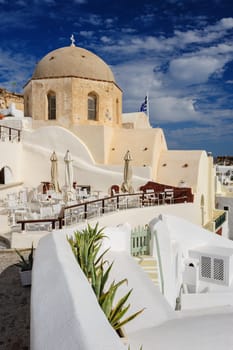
[143,107]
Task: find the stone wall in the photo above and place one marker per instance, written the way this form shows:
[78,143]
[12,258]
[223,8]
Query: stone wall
[7,97]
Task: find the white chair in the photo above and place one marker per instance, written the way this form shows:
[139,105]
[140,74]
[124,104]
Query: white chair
[169,195]
[123,203]
[149,197]
[110,205]
[56,208]
[46,212]
[95,209]
[83,193]
[23,196]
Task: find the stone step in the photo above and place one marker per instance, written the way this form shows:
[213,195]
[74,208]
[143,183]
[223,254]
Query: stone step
[149,265]
[151,262]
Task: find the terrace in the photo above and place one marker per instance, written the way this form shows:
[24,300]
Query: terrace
[50,217]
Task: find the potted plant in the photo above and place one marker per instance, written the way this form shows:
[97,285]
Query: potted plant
[25,267]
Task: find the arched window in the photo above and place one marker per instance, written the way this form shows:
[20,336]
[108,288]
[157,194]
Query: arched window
[26,105]
[6,175]
[117,111]
[2,176]
[92,107]
[51,106]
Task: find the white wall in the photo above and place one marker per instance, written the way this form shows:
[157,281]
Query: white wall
[168,251]
[64,311]
[191,236]
[36,160]
[11,156]
[227,201]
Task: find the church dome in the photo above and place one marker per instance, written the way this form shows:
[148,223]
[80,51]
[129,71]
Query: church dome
[73,61]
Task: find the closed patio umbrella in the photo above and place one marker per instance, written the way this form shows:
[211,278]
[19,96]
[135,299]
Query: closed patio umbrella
[69,175]
[127,183]
[54,172]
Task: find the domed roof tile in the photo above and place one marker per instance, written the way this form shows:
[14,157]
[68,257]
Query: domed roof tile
[73,61]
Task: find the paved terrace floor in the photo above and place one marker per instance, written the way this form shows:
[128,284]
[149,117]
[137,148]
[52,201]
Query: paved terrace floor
[14,305]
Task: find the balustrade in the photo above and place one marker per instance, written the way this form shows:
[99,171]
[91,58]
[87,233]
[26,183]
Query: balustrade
[89,209]
[10,134]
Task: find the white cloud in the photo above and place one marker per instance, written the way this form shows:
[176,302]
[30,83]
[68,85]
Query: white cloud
[86,33]
[226,23]
[80,1]
[195,70]
[172,109]
[136,77]
[206,35]
[128,30]
[131,45]
[128,45]
[219,49]
[20,19]
[193,137]
[94,19]
[20,70]
[106,40]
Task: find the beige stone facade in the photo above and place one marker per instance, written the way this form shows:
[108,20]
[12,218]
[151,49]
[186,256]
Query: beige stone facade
[72,101]
[6,98]
[73,86]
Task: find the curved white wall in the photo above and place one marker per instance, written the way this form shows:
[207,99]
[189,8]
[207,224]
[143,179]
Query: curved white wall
[11,156]
[64,311]
[37,164]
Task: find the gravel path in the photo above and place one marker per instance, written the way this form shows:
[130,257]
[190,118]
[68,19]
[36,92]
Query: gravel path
[14,305]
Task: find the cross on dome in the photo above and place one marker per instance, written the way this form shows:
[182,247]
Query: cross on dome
[72,40]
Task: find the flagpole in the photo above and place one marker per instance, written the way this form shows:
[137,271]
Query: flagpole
[148,107]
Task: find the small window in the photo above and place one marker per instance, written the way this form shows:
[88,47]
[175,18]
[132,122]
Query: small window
[117,111]
[226,208]
[2,176]
[92,107]
[51,106]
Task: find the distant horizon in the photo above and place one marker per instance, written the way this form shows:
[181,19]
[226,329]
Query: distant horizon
[179,51]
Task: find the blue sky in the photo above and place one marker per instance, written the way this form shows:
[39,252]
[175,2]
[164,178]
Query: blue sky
[180,51]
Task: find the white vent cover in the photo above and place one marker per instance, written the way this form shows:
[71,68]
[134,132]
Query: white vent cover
[205,267]
[219,268]
[212,268]
[215,264]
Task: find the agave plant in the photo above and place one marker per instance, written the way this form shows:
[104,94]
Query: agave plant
[25,264]
[106,297]
[86,246]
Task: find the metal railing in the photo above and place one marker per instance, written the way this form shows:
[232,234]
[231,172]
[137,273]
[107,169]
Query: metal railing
[220,220]
[82,211]
[9,134]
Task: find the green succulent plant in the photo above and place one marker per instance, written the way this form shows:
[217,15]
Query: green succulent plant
[25,264]
[86,247]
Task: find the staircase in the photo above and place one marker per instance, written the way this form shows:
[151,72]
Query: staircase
[149,264]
